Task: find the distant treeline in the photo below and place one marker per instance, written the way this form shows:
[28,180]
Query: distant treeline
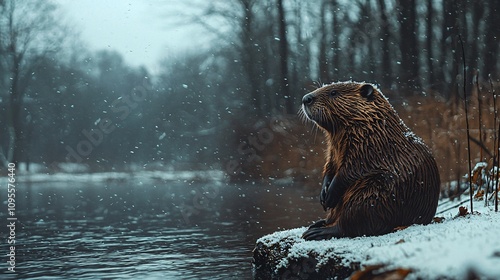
[279,47]
[60,102]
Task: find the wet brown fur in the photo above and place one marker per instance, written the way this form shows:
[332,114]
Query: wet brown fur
[391,177]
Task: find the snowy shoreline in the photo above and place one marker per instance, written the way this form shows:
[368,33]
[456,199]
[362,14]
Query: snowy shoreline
[80,173]
[448,250]
[211,175]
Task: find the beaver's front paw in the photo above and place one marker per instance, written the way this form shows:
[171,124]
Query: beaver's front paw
[317,224]
[321,233]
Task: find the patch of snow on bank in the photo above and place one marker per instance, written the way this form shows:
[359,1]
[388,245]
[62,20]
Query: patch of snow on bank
[33,167]
[447,249]
[143,176]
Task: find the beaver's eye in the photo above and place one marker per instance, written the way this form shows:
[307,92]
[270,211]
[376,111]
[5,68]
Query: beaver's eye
[333,93]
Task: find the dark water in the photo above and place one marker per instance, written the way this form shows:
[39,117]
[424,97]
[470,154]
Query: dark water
[162,230]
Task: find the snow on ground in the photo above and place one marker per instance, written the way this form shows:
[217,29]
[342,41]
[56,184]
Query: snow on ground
[449,249]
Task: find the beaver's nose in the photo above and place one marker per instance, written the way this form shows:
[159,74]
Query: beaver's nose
[308,99]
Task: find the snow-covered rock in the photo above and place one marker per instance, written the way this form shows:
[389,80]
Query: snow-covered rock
[452,249]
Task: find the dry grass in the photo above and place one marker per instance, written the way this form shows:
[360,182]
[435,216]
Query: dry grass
[441,124]
[297,150]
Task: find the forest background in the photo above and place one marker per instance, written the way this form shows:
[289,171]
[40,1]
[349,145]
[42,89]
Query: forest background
[232,106]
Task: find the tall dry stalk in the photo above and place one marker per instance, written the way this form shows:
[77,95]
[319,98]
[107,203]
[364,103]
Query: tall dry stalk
[497,140]
[480,117]
[467,124]
[493,182]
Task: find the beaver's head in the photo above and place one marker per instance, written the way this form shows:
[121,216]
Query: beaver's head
[338,105]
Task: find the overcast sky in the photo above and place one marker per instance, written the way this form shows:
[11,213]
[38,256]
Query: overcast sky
[142,31]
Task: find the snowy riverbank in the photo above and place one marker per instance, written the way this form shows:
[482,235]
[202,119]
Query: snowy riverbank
[448,250]
[80,173]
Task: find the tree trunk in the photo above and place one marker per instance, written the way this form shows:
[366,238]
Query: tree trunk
[445,58]
[462,27]
[429,42]
[294,83]
[386,49]
[324,76]
[457,66]
[248,56]
[15,106]
[335,42]
[408,45]
[477,17]
[285,89]
[492,35]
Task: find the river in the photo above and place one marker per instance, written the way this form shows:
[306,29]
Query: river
[129,229]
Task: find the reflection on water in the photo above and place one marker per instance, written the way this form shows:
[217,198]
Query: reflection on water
[125,229]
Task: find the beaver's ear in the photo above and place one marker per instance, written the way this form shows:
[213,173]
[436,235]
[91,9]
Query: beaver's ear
[366,91]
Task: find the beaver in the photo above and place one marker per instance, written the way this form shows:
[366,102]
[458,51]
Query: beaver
[378,175]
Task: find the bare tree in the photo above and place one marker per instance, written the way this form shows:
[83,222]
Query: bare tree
[386,41]
[408,44]
[324,73]
[28,32]
[284,83]
[336,25]
[477,17]
[300,55]
[492,35]
[429,41]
